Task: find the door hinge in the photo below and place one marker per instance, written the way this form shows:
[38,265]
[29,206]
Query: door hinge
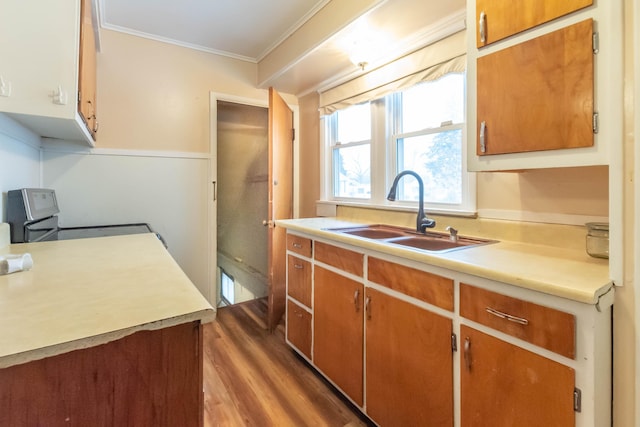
[293,134]
[454,343]
[595,123]
[577,400]
[595,43]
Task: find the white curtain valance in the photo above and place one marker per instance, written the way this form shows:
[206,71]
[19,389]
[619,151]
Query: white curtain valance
[429,63]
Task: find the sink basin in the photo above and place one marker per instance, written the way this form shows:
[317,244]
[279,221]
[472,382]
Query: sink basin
[431,241]
[375,231]
[436,244]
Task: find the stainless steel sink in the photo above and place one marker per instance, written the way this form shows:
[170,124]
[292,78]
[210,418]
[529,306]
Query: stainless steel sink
[431,241]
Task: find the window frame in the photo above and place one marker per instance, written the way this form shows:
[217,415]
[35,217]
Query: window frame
[385,122]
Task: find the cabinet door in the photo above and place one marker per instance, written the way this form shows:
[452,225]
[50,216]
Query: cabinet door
[338,330]
[38,46]
[87,77]
[505,385]
[299,328]
[299,279]
[537,95]
[503,18]
[409,364]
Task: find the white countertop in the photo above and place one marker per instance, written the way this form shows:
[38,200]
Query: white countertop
[563,272]
[85,292]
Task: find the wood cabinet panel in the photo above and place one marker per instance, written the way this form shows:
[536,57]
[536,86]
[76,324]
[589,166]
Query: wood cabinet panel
[300,245]
[299,284]
[431,288]
[503,18]
[537,95]
[87,72]
[299,328]
[338,330]
[546,327]
[409,364]
[503,385]
[150,378]
[344,259]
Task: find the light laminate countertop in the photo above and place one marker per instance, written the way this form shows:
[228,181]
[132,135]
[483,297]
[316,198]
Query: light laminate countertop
[567,273]
[86,292]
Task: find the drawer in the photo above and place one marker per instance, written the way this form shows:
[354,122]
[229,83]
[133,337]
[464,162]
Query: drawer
[430,288]
[299,279]
[543,326]
[299,328]
[344,259]
[300,245]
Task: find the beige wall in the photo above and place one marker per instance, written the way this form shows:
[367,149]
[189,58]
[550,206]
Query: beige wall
[309,155]
[582,191]
[155,96]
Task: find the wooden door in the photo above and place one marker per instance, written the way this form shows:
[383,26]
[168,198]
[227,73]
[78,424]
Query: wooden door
[280,201]
[538,95]
[87,73]
[505,385]
[338,331]
[504,18]
[409,364]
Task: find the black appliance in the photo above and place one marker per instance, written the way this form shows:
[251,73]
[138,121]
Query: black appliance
[32,214]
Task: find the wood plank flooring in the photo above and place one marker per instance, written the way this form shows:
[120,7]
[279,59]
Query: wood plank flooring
[252,378]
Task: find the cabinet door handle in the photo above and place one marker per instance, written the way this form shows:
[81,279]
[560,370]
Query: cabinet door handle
[482,25]
[367,307]
[467,353]
[483,142]
[509,317]
[356,299]
[298,266]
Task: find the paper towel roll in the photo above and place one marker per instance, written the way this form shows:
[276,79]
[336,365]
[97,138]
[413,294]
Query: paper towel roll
[15,262]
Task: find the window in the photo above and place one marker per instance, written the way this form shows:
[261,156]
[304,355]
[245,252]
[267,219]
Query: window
[350,142]
[419,129]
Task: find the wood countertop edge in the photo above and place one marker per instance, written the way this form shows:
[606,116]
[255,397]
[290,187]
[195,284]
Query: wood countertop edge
[205,316]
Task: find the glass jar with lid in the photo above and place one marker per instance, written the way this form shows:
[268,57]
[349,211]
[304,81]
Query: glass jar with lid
[598,239]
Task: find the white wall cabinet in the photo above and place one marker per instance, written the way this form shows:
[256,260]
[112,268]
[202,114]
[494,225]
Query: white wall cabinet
[40,68]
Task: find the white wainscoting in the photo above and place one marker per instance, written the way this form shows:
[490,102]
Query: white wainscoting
[167,190]
[19,159]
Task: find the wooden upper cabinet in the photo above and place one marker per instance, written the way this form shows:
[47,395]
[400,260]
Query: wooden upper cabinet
[87,78]
[537,95]
[499,19]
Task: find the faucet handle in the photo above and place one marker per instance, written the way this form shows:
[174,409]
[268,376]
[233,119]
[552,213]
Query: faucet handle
[453,233]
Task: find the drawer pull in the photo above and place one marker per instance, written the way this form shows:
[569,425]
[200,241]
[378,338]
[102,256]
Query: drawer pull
[297,245]
[298,266]
[367,307]
[482,24]
[510,318]
[467,353]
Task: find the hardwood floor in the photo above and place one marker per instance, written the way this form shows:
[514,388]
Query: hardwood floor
[252,378]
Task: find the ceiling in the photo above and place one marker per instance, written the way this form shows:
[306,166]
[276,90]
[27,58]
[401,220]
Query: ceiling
[250,29]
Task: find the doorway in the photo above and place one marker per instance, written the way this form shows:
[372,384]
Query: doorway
[242,201]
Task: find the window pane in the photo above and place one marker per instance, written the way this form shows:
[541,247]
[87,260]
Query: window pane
[354,123]
[352,171]
[437,158]
[428,104]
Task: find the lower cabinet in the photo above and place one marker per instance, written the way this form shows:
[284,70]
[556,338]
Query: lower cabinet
[505,385]
[338,330]
[409,361]
[403,341]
